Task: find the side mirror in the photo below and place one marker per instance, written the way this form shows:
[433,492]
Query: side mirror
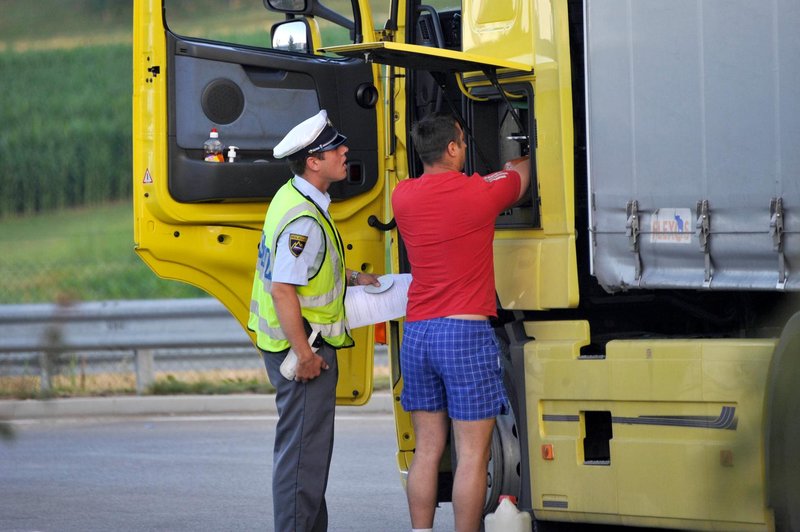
[291,35]
[287,6]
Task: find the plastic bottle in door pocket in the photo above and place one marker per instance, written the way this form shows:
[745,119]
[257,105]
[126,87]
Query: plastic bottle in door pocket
[213,148]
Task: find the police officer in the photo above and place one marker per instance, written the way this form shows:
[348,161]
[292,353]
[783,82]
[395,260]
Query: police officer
[298,288]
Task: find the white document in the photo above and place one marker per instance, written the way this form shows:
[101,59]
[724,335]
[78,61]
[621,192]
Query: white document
[364,308]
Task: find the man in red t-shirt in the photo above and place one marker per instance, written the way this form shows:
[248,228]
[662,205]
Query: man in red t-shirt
[450,356]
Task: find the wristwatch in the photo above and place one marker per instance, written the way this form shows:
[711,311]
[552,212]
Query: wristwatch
[354,278]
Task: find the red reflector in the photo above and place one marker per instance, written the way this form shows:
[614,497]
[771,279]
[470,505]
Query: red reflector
[380,333]
[547,451]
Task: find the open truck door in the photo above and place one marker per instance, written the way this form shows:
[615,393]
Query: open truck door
[251,73]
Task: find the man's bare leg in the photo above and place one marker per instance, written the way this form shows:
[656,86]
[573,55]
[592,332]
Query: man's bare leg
[469,485]
[430,432]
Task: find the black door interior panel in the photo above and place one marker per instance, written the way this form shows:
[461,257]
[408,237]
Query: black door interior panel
[193,180]
[268,112]
[254,97]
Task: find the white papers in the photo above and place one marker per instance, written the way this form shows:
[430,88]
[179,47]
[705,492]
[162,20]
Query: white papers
[363,308]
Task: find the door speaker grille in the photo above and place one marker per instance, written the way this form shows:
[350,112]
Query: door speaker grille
[222,101]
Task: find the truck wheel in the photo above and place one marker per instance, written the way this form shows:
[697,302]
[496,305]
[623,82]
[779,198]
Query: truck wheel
[504,466]
[783,429]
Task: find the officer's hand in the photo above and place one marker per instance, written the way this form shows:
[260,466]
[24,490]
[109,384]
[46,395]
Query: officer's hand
[368,278]
[309,367]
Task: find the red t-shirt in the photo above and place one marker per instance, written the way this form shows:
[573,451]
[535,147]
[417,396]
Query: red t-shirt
[447,224]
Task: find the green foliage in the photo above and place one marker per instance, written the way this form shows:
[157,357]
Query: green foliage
[27,23]
[66,128]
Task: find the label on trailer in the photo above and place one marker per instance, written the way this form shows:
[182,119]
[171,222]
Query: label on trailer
[671,226]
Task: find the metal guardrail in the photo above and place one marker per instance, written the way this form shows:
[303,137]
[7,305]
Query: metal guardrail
[41,333]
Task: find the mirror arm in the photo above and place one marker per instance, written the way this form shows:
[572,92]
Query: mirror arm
[391,24]
[358,36]
[327,13]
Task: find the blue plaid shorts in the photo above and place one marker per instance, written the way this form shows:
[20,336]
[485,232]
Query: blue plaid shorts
[455,365]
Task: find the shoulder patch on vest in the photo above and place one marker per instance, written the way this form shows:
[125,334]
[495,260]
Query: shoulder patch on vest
[297,243]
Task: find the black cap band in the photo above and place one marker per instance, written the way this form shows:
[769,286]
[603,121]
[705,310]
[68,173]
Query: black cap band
[328,139]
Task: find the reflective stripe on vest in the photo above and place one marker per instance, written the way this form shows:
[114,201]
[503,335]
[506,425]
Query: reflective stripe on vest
[328,330]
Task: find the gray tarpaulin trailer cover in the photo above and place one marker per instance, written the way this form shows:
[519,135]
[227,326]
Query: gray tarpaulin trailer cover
[694,143]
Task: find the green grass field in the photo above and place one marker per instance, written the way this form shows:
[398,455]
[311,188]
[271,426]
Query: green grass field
[83,254]
[49,24]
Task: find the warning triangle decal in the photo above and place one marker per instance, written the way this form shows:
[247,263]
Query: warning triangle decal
[148,179]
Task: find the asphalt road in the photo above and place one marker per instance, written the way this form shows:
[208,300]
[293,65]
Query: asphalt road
[192,473]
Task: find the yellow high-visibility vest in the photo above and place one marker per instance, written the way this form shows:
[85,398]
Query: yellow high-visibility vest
[322,299]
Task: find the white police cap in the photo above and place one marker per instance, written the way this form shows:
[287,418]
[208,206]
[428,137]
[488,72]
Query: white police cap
[310,136]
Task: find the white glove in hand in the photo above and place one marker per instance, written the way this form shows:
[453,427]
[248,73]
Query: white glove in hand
[289,364]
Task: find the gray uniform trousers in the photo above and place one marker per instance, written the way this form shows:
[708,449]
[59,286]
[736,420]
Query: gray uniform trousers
[303,444]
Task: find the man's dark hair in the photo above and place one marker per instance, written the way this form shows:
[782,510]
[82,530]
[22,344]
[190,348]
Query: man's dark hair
[298,164]
[432,135]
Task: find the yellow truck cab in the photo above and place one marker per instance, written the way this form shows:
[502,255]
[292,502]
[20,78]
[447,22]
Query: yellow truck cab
[646,283]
